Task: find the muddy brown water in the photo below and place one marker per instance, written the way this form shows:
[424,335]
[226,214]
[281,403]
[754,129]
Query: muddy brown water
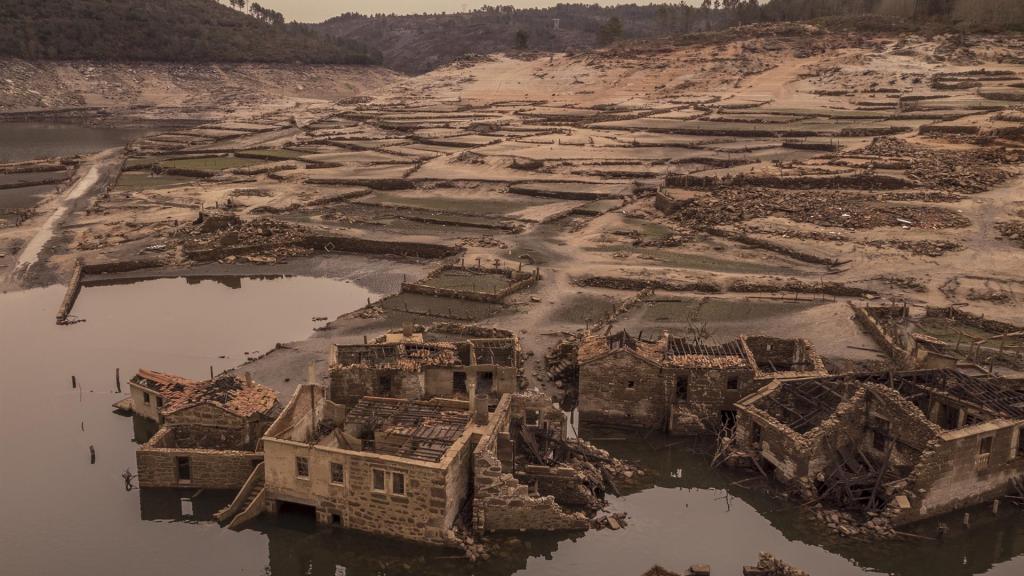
[63,514]
[21,141]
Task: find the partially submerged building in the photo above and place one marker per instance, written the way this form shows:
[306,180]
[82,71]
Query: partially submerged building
[428,471]
[911,445]
[681,385]
[405,365]
[210,434]
[150,390]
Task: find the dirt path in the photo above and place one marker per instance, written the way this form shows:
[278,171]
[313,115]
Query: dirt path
[91,173]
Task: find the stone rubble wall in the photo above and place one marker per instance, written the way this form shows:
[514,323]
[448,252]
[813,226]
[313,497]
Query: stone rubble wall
[500,502]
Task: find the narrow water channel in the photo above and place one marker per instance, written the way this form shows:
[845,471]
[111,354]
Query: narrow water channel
[64,514]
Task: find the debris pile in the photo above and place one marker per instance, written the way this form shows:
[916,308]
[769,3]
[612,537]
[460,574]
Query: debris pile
[847,524]
[933,248]
[768,565]
[226,237]
[828,208]
[964,171]
[1013,231]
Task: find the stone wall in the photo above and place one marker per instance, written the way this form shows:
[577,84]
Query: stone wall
[212,469]
[623,389]
[518,280]
[707,389]
[877,332]
[440,381]
[332,244]
[350,383]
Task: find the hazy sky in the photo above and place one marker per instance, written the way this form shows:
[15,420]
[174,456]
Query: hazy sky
[320,10]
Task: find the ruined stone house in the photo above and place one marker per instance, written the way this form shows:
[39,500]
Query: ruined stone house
[209,435]
[680,385]
[420,470]
[404,365]
[908,445]
[150,390]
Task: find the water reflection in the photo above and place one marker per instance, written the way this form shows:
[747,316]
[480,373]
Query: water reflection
[182,505]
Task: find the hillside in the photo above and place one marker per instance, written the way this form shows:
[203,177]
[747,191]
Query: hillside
[421,42]
[166,31]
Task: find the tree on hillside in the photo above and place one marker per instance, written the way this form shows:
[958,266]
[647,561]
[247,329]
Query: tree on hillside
[610,31]
[522,39]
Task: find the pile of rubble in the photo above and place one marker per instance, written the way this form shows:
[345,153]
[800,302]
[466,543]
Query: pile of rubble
[964,171]
[1013,231]
[933,248]
[827,208]
[224,236]
[768,565]
[877,525]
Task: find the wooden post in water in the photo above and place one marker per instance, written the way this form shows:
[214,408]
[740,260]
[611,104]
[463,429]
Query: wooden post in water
[117,379]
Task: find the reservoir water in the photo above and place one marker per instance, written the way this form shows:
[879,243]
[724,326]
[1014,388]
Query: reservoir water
[21,141]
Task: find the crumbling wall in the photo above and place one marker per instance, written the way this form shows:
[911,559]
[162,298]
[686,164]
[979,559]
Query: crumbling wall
[621,388]
[157,464]
[566,484]
[350,383]
[843,427]
[878,333]
[975,320]
[502,503]
[536,410]
[908,427]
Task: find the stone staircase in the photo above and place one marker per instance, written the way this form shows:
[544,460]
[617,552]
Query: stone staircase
[248,503]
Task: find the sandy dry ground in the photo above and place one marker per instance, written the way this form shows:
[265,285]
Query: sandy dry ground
[730,176]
